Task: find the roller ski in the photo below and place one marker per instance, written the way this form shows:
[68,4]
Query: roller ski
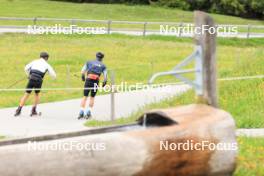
[34,112]
[88,115]
[18,111]
[83,115]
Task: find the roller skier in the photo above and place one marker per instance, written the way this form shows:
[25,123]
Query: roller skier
[36,71]
[91,73]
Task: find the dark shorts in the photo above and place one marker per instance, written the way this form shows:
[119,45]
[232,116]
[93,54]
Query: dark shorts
[34,84]
[90,86]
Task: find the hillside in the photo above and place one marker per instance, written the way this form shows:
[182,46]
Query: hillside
[57,9]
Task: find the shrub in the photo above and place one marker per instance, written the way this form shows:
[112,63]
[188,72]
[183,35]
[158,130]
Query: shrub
[243,8]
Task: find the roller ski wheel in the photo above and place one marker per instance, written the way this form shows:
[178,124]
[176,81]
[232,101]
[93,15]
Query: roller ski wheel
[18,112]
[81,116]
[88,116]
[36,114]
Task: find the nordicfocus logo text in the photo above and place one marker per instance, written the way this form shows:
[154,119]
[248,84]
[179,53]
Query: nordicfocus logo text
[66,146]
[191,145]
[189,29]
[59,29]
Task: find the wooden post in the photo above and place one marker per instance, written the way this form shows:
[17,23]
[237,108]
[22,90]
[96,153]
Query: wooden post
[112,95]
[207,40]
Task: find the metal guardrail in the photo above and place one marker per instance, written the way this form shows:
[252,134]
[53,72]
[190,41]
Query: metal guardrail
[110,23]
[178,72]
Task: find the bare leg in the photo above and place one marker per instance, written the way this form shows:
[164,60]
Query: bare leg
[89,109]
[83,103]
[91,103]
[37,99]
[21,104]
[36,102]
[24,99]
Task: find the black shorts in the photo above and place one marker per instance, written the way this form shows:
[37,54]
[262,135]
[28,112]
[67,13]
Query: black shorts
[34,84]
[90,86]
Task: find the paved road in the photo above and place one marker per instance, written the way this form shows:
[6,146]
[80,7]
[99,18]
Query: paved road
[62,116]
[257,132]
[21,29]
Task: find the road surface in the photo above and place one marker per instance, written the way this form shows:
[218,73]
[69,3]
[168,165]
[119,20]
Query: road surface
[61,116]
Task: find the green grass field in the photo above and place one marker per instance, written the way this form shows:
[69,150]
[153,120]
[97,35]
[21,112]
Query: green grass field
[243,99]
[52,9]
[60,9]
[134,59]
[251,157]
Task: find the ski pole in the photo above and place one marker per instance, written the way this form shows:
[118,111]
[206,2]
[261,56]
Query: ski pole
[15,83]
[75,75]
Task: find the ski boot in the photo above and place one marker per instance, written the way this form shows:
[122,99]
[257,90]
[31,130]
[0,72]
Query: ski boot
[34,112]
[81,115]
[18,111]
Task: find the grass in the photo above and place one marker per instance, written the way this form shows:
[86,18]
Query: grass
[251,157]
[134,59]
[243,99]
[121,121]
[57,9]
[2,137]
[126,55]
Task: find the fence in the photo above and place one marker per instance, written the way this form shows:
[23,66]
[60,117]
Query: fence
[133,27]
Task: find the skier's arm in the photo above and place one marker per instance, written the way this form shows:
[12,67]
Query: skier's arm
[28,68]
[84,70]
[105,77]
[52,73]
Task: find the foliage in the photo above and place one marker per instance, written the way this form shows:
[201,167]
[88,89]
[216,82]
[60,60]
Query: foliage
[244,8]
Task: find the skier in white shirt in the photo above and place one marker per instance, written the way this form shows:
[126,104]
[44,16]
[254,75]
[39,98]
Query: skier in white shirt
[36,71]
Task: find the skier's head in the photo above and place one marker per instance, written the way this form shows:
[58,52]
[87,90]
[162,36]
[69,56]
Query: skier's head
[44,55]
[99,56]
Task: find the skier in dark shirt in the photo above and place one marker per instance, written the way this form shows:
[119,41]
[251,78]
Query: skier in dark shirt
[91,73]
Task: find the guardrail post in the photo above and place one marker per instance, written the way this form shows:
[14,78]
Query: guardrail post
[73,22]
[180,32]
[112,95]
[35,21]
[145,29]
[109,27]
[248,31]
